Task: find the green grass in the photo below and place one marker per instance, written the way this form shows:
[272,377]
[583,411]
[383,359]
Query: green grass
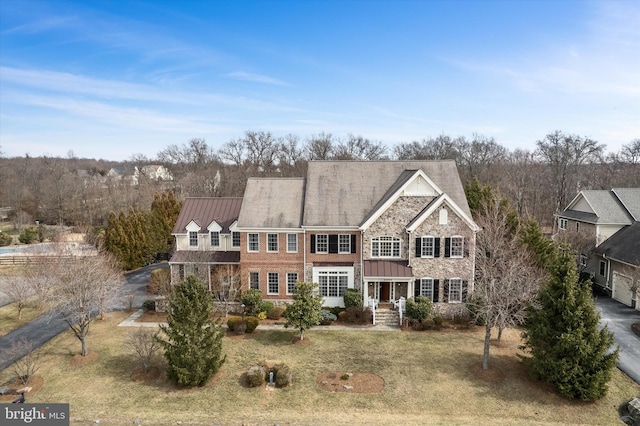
[429,379]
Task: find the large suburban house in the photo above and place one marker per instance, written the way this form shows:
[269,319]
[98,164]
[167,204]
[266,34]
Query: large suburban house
[609,219]
[391,229]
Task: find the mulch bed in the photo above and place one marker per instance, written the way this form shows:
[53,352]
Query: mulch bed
[359,382]
[35,383]
[79,360]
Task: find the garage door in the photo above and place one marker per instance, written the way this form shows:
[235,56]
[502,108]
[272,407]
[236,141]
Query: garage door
[622,288]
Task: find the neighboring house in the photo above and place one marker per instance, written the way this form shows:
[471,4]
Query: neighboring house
[598,214]
[619,260]
[156,172]
[131,174]
[207,239]
[390,229]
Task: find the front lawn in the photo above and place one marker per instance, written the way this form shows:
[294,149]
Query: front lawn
[429,378]
[9,317]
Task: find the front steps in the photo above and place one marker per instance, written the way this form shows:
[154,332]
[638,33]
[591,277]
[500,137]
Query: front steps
[387,317]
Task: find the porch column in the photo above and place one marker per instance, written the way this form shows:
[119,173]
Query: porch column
[365,292]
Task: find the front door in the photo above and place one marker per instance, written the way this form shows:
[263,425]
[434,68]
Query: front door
[384,292]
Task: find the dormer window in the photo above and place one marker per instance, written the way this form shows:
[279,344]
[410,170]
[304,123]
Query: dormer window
[193,238]
[385,247]
[215,239]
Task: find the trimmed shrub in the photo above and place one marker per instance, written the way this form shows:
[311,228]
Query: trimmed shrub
[252,323]
[327,317]
[29,235]
[336,310]
[255,376]
[275,313]
[149,305]
[420,308]
[233,322]
[266,307]
[5,239]
[438,321]
[352,297]
[282,375]
[357,315]
[252,300]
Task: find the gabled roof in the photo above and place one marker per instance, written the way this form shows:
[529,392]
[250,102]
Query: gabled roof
[274,203]
[605,207]
[431,208]
[630,199]
[347,193]
[203,211]
[623,246]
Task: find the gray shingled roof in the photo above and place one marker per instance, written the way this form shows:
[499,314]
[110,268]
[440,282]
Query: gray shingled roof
[630,199]
[344,193]
[272,203]
[224,210]
[623,246]
[607,207]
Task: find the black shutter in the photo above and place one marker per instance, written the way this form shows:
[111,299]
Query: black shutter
[465,286]
[333,243]
[436,290]
[416,290]
[313,243]
[447,247]
[418,247]
[436,247]
[353,243]
[465,248]
[445,289]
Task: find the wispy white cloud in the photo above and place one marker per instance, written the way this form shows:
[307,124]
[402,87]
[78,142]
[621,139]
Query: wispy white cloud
[255,78]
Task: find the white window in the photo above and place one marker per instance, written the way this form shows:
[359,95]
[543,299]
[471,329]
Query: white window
[455,290]
[322,243]
[215,239]
[253,244]
[292,279]
[235,235]
[292,243]
[583,260]
[457,247]
[344,243]
[428,246]
[385,247]
[426,288]
[333,283]
[272,283]
[562,223]
[272,242]
[443,216]
[603,268]
[193,238]
[254,280]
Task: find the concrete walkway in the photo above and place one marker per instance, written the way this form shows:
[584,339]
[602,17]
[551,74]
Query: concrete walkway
[131,322]
[619,318]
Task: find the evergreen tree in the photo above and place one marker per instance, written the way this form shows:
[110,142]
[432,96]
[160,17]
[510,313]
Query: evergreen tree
[165,209]
[193,344]
[544,250]
[476,194]
[304,312]
[568,348]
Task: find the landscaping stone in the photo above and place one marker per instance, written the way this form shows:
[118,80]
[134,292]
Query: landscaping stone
[634,408]
[4,390]
[347,388]
[25,389]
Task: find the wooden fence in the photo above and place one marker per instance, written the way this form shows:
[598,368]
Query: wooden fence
[31,260]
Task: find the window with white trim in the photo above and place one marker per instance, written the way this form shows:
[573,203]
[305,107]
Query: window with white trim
[385,247]
[583,260]
[272,243]
[457,247]
[333,283]
[455,290]
[215,239]
[292,279]
[562,223]
[292,243]
[344,243]
[322,243]
[428,246]
[603,268]
[426,288]
[254,280]
[235,236]
[253,244]
[193,238]
[273,286]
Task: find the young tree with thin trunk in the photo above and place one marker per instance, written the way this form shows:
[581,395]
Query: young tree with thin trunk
[304,312]
[507,281]
[225,284]
[144,344]
[20,290]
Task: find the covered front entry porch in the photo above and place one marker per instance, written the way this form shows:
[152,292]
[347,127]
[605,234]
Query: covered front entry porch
[387,281]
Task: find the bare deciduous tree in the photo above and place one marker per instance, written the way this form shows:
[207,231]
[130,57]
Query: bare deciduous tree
[506,279]
[225,284]
[20,290]
[28,360]
[144,344]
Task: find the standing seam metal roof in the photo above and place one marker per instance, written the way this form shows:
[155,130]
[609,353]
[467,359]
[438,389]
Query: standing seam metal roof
[224,210]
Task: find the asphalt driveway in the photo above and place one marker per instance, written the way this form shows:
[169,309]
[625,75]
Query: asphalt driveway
[618,318]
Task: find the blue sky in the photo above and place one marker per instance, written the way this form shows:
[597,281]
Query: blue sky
[110,79]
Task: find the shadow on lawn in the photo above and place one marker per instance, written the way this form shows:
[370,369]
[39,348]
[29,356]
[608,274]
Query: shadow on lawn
[274,337]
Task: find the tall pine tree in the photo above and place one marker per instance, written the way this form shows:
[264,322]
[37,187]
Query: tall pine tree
[568,348]
[193,344]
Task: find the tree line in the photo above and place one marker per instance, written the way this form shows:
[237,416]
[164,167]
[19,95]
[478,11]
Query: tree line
[539,181]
